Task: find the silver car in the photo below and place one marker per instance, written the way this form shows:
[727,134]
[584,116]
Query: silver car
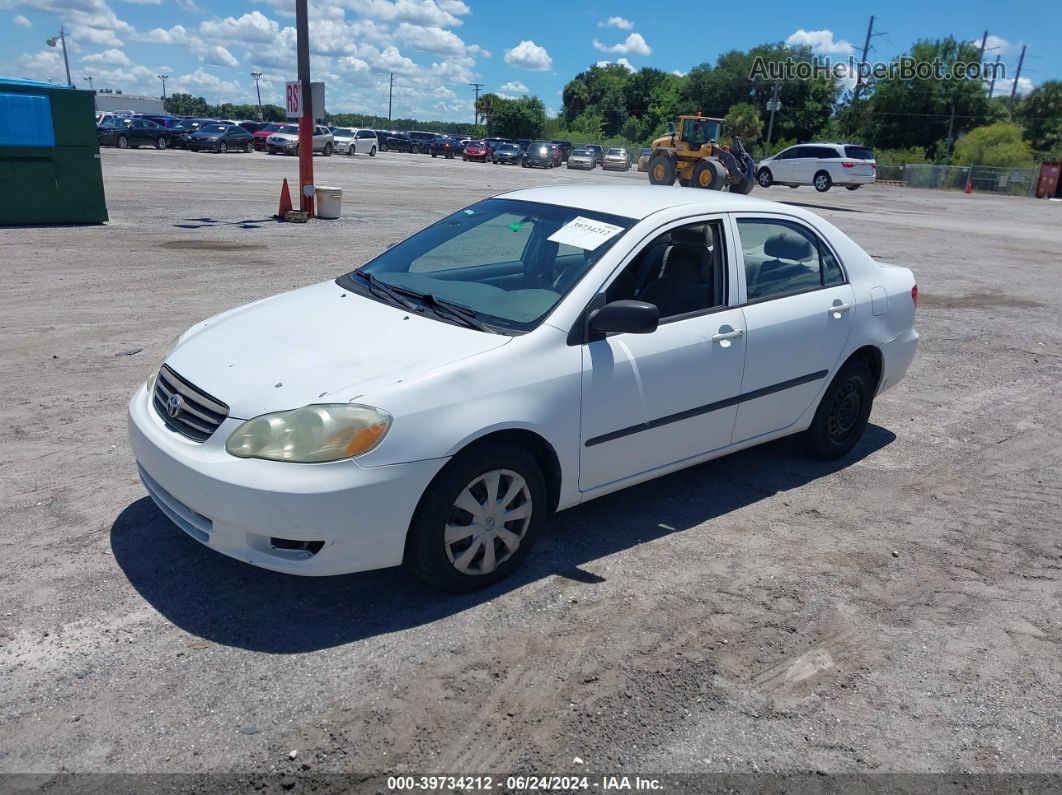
[616,159]
[581,158]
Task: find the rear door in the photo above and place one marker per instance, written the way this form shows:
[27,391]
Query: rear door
[801,165]
[798,313]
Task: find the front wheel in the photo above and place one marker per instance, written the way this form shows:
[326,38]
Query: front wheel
[248,147]
[122,142]
[661,170]
[765,178]
[478,519]
[372,152]
[223,147]
[851,187]
[843,412]
[160,142]
[328,150]
[822,182]
[709,174]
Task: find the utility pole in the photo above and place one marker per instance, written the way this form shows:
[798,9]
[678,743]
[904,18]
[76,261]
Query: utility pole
[984,41]
[1014,88]
[302,49]
[992,85]
[163,78]
[773,105]
[475,104]
[53,41]
[258,76]
[390,94]
[866,49]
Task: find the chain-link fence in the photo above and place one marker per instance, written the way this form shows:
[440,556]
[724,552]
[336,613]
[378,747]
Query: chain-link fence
[983,179]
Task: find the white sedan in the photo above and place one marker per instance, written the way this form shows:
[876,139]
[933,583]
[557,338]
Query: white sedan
[521,356]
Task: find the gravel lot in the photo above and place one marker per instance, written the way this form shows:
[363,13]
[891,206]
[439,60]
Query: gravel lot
[898,611]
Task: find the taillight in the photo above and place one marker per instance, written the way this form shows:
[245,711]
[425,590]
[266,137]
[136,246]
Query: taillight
[848,165]
[874,166]
[914,294]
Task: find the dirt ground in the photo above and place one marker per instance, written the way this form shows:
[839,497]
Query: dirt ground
[897,611]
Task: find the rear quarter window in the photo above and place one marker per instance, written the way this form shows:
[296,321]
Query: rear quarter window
[858,153]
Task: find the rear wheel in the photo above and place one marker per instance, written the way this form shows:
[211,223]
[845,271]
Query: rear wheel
[248,147]
[328,150]
[372,152]
[223,147]
[661,170]
[709,174]
[822,182]
[765,177]
[843,412]
[122,142]
[160,142]
[851,187]
[478,519]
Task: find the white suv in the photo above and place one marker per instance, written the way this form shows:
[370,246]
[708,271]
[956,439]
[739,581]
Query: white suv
[821,165]
[353,141]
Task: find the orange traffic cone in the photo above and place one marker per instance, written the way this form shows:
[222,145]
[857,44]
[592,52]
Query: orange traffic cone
[285,202]
[969,185]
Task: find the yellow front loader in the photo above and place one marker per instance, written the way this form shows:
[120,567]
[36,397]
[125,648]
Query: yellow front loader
[692,155]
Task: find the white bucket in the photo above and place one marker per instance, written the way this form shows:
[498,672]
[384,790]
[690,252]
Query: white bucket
[329,202]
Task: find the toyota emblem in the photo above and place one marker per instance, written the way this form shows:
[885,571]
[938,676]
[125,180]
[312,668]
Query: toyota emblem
[174,405]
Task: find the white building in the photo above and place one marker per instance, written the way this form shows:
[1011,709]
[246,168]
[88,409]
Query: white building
[138,103]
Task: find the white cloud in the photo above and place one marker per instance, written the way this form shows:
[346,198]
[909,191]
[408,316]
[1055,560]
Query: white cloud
[418,12]
[679,73]
[188,5]
[98,36]
[46,65]
[616,22]
[143,2]
[619,62]
[115,56]
[1003,87]
[22,22]
[528,55]
[430,39]
[254,27]
[214,54]
[821,42]
[993,44]
[515,86]
[634,44]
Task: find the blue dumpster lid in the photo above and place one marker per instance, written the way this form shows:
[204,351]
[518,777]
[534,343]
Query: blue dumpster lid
[18,81]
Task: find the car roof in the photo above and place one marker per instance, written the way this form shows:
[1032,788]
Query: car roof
[640,201]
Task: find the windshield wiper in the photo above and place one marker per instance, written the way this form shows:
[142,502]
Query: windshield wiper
[462,314]
[377,285]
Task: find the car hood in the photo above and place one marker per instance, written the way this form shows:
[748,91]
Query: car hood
[284,136]
[319,344]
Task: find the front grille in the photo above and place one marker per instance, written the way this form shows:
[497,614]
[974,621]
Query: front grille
[196,414]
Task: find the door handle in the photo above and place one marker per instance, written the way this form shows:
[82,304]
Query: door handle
[838,309]
[726,336]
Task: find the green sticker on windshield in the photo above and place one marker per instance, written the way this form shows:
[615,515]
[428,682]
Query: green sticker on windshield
[516,226]
[469,212]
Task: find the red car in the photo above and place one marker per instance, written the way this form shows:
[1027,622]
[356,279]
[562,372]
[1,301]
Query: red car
[477,150]
[258,138]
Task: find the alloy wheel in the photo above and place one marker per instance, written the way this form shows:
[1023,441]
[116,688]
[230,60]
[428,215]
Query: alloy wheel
[487,521]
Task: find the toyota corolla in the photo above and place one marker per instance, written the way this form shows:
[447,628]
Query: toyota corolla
[436,405]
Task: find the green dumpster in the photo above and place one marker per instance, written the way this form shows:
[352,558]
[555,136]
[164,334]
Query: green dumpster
[49,155]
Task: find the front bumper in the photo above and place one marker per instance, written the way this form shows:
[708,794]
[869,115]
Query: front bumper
[242,507]
[341,147]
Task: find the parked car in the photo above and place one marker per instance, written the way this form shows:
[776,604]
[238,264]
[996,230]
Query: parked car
[540,154]
[523,143]
[162,120]
[252,126]
[566,149]
[422,140]
[180,133]
[821,165]
[259,137]
[510,154]
[494,143]
[477,150]
[599,153]
[581,158]
[616,159]
[643,158]
[352,141]
[264,435]
[391,141]
[131,133]
[447,147]
[286,141]
[221,138]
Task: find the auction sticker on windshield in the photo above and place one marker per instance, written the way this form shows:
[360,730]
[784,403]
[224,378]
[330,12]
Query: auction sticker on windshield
[585,233]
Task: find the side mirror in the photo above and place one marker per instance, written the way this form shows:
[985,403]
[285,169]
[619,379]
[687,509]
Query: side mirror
[625,317]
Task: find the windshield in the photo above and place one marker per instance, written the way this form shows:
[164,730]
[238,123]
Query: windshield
[509,262]
[343,132]
[580,153]
[509,147]
[213,128]
[289,129]
[617,152]
[114,121]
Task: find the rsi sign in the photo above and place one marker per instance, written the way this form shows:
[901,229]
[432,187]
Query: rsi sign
[293,97]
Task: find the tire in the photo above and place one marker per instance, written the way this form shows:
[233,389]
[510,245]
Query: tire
[843,412]
[295,151]
[327,150]
[852,187]
[160,142]
[122,142]
[433,154]
[248,147]
[372,152]
[822,182]
[467,480]
[765,177]
[223,148]
[709,175]
[661,170]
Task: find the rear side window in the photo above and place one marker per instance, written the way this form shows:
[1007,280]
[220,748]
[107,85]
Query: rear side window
[858,153]
[784,258]
[823,152]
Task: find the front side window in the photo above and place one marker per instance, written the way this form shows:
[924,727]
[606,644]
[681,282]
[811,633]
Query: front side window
[784,258]
[506,262]
[681,272]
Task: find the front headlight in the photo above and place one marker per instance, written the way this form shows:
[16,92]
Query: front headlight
[312,434]
[154,374]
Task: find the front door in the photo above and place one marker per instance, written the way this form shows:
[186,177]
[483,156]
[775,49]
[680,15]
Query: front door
[798,316]
[649,400]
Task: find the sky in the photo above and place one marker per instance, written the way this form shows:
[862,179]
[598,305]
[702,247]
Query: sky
[436,48]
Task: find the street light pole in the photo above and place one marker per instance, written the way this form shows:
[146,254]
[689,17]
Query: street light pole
[163,78]
[90,84]
[52,42]
[257,76]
